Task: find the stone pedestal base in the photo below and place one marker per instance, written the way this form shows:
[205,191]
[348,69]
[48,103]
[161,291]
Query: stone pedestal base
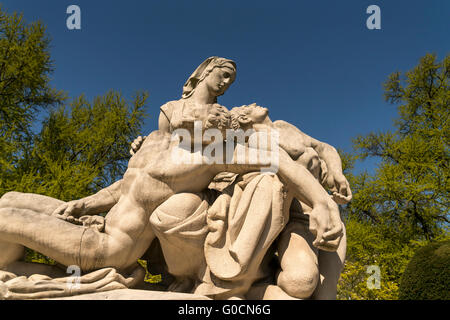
[133,294]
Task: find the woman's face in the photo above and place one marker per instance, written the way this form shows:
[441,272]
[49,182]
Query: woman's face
[220,79]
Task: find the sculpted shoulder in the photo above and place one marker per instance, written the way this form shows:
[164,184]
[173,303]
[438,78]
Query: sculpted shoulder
[291,138]
[168,108]
[154,145]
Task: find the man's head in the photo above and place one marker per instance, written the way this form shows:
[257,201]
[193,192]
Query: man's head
[245,116]
[218,117]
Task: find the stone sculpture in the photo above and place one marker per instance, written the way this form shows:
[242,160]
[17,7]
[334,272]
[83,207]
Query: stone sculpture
[227,228]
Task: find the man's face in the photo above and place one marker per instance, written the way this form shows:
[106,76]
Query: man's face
[220,79]
[255,113]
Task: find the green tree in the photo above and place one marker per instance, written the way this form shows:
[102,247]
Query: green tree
[25,69]
[410,188]
[403,204]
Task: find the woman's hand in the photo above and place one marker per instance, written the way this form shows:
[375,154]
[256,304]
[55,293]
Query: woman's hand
[137,144]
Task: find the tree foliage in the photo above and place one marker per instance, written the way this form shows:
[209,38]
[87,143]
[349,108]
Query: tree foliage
[25,69]
[370,244]
[403,204]
[410,188]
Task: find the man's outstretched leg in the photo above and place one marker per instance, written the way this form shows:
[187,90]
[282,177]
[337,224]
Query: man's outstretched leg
[71,244]
[31,201]
[48,235]
[11,252]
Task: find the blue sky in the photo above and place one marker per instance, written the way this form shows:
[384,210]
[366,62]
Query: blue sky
[312,63]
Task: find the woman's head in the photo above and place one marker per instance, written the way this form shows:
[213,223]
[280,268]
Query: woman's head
[216,73]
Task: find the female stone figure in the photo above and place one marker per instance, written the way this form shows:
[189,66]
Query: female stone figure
[210,80]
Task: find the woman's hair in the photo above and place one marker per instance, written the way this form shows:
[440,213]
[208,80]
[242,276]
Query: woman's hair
[202,72]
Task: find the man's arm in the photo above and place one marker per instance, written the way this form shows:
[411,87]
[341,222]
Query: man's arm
[336,180]
[97,203]
[325,223]
[105,199]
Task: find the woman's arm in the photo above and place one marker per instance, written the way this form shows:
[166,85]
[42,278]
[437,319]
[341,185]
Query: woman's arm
[163,122]
[163,125]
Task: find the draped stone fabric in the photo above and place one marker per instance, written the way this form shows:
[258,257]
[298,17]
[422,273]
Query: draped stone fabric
[223,243]
[40,286]
[243,224]
[254,220]
[182,239]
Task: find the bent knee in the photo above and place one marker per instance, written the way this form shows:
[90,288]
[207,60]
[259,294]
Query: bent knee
[177,208]
[299,283]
